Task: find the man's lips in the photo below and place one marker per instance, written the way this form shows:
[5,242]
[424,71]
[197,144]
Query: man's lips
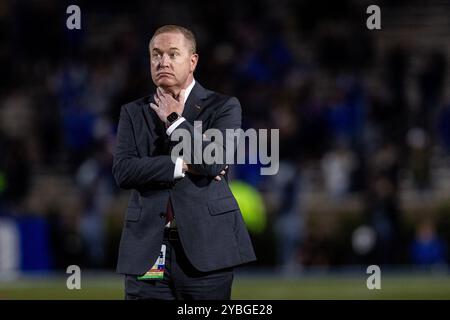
[164,74]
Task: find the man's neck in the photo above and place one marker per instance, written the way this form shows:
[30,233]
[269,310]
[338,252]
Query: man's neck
[175,91]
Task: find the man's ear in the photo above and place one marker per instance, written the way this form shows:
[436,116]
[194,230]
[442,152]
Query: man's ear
[194,61]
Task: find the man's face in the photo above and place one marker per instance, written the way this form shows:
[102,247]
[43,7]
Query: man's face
[172,62]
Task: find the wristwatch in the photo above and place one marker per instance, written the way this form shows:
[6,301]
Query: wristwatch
[171,118]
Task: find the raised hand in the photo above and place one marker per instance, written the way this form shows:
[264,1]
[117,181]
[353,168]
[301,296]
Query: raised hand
[166,103]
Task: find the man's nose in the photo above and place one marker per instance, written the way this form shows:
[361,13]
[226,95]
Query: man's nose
[164,62]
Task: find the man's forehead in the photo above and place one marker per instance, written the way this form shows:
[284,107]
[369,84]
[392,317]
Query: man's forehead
[171,39]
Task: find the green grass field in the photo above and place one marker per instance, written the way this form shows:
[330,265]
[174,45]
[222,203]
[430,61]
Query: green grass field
[317,287]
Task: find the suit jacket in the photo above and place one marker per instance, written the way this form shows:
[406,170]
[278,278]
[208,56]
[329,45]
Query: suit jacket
[210,224]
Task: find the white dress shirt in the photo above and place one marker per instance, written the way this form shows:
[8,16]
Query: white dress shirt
[178,172]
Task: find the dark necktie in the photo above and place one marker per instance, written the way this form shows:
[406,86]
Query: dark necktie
[169,213]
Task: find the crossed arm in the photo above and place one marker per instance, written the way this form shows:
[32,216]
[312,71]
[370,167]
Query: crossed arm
[132,171]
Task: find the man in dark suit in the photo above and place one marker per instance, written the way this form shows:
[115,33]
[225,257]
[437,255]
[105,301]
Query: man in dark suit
[183,232]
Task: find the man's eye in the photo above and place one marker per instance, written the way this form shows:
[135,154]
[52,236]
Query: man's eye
[174,54]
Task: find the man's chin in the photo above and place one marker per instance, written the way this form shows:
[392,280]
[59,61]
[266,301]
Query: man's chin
[165,83]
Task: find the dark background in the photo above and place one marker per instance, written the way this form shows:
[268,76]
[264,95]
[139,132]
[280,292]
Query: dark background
[364,119]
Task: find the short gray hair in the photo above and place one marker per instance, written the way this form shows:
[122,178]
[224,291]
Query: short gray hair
[188,34]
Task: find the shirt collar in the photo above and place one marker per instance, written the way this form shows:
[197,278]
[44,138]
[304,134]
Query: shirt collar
[188,90]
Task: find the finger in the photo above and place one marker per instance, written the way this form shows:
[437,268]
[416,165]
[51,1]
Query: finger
[217,178]
[222,172]
[182,94]
[226,167]
[160,94]
[154,107]
[168,96]
[163,91]
[155,97]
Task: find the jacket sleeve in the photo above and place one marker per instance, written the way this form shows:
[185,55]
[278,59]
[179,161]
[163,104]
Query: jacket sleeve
[229,116]
[132,171]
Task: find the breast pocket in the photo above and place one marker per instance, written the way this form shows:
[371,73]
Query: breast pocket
[222,205]
[133,214]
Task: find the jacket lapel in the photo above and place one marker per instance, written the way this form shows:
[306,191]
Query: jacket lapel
[156,128]
[193,105]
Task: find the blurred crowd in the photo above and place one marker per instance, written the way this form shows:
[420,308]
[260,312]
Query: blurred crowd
[361,113]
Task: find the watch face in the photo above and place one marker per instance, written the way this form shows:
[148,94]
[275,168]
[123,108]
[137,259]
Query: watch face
[172,117]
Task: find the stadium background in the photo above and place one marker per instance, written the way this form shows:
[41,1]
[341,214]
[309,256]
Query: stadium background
[364,119]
